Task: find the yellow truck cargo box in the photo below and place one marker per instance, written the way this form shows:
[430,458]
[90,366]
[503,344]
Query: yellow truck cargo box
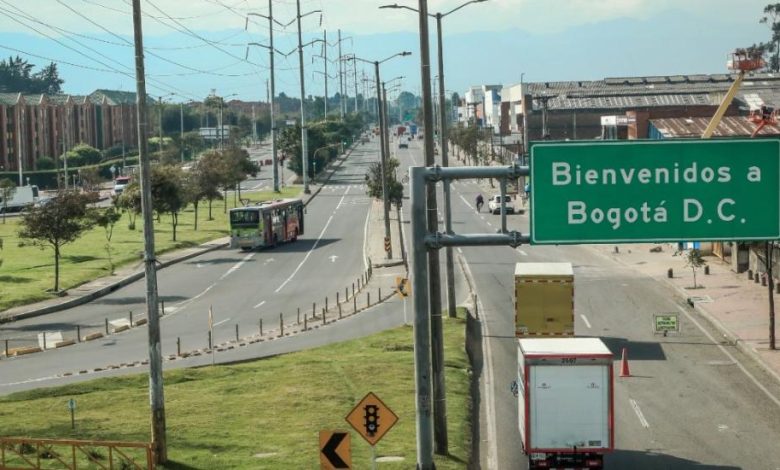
[544,299]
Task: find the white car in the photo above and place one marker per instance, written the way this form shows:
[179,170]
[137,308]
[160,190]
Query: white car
[494,204]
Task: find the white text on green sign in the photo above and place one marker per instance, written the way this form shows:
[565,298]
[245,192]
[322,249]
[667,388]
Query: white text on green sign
[655,191]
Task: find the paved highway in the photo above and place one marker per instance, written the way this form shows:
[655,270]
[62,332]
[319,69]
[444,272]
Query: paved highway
[693,400]
[241,288]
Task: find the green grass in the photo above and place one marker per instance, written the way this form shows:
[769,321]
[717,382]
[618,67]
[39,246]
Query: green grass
[27,273]
[221,417]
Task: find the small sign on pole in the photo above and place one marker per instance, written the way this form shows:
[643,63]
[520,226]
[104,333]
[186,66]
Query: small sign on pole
[335,450]
[72,409]
[665,322]
[371,418]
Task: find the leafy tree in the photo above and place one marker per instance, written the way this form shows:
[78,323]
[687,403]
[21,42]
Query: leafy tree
[16,75]
[45,163]
[772,19]
[209,168]
[130,201]
[236,165]
[695,261]
[168,192]
[90,179]
[48,80]
[395,190]
[59,222]
[107,218]
[7,188]
[83,154]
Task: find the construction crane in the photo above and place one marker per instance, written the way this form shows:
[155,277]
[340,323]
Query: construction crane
[742,60]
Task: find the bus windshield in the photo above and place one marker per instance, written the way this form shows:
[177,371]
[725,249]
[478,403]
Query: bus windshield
[244,217]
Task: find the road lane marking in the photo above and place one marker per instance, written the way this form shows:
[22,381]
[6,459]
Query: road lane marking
[490,398]
[365,239]
[730,356]
[314,247]
[236,266]
[460,251]
[585,319]
[221,322]
[260,304]
[639,414]
[522,252]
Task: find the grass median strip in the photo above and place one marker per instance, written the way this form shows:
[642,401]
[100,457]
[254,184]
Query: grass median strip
[265,413]
[27,273]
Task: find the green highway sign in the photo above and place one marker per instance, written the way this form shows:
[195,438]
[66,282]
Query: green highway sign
[665,322]
[653,191]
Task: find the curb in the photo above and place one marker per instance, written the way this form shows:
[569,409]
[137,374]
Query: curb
[106,289]
[717,324]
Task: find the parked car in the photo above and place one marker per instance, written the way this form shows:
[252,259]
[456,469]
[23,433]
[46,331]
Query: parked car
[494,204]
[120,183]
[403,145]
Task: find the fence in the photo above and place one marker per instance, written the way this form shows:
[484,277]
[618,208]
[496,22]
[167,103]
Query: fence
[26,453]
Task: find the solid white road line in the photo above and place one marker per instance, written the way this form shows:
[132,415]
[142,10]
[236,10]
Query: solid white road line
[221,322]
[490,398]
[585,319]
[260,304]
[314,247]
[639,414]
[236,266]
[731,357]
[365,239]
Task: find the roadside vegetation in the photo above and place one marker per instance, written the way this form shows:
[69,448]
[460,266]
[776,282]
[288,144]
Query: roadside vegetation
[265,413]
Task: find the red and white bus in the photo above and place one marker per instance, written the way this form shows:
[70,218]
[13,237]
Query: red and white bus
[266,224]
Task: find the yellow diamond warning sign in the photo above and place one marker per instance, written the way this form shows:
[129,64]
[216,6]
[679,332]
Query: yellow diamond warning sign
[371,418]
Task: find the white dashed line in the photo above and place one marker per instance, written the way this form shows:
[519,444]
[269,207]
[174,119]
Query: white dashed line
[236,266]
[639,414]
[261,304]
[585,319]
[522,252]
[221,322]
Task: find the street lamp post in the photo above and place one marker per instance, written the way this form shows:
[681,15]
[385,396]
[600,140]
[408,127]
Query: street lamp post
[433,260]
[382,140]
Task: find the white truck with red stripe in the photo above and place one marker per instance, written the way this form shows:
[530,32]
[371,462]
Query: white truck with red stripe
[565,392]
[544,300]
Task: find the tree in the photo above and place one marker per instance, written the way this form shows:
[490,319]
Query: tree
[83,154]
[48,80]
[90,179]
[7,188]
[168,192]
[236,165]
[772,19]
[54,224]
[16,76]
[209,169]
[395,190]
[45,163]
[769,248]
[130,201]
[107,218]
[695,261]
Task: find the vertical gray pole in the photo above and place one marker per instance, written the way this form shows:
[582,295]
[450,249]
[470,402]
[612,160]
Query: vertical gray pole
[434,285]
[160,122]
[156,397]
[273,99]
[354,74]
[449,264]
[325,47]
[422,321]
[341,81]
[254,126]
[181,130]
[304,130]
[386,155]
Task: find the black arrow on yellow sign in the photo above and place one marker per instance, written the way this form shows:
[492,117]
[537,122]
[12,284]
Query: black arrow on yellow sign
[333,454]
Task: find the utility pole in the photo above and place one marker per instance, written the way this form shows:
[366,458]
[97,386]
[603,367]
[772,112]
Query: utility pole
[271,52]
[156,396]
[341,80]
[254,126]
[181,130]
[354,73]
[449,263]
[385,156]
[160,147]
[304,130]
[434,286]
[325,48]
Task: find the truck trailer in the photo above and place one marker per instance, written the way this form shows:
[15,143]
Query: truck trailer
[565,402]
[19,199]
[544,299]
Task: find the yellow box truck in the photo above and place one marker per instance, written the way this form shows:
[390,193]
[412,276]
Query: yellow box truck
[544,299]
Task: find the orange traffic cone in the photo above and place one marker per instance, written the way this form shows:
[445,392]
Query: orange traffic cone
[624,372]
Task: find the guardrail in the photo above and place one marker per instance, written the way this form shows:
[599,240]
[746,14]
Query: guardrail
[20,453]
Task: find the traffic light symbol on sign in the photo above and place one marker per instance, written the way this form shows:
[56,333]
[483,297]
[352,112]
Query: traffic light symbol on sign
[372,419]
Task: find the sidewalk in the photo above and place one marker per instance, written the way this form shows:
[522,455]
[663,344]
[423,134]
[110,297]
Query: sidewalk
[736,306]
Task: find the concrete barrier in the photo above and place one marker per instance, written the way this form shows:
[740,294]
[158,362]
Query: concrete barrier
[24,351]
[92,336]
[62,344]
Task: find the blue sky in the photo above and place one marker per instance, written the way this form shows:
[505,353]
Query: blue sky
[202,48]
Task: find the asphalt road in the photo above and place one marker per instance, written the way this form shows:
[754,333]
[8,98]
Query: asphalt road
[693,402]
[240,288]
